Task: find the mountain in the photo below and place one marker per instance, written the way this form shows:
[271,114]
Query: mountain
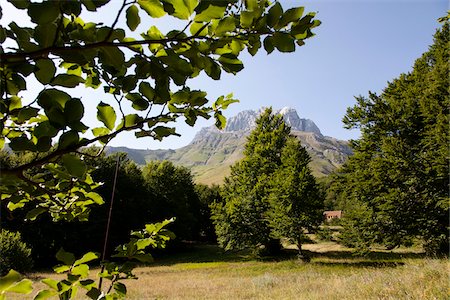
[212,151]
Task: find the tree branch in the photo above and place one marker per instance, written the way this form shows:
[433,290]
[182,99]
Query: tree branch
[83,143]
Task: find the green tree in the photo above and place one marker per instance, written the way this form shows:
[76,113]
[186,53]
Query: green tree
[296,203]
[399,170]
[207,195]
[272,184]
[175,196]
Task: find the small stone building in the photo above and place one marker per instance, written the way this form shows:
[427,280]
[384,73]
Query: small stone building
[329,215]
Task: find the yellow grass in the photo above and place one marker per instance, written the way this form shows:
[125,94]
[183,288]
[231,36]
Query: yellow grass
[334,273]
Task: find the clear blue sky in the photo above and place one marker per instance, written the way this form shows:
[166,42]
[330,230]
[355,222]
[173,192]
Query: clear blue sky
[360,46]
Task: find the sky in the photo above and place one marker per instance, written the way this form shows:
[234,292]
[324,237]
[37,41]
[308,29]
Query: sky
[359,47]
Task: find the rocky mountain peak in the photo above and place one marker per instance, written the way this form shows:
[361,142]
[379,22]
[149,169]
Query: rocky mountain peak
[245,121]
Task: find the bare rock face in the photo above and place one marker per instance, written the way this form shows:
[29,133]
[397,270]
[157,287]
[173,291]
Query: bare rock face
[292,119]
[245,121]
[211,153]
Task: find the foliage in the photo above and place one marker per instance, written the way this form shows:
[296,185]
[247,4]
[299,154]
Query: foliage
[138,200]
[14,253]
[325,234]
[270,193]
[77,270]
[207,195]
[144,78]
[395,187]
[13,283]
[175,196]
[296,205]
[240,220]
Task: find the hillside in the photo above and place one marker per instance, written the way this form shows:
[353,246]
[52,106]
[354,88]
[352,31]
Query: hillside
[212,151]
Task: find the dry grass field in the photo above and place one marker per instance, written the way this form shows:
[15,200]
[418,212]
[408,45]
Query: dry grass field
[334,273]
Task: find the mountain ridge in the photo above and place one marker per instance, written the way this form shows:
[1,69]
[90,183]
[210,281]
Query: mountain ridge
[213,151]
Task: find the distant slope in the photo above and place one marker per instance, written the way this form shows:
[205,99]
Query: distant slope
[212,152]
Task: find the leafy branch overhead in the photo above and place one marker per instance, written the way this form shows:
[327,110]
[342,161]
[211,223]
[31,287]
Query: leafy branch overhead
[144,77]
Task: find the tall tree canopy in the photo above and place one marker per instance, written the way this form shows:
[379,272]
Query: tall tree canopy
[395,186]
[145,79]
[270,193]
[296,202]
[175,196]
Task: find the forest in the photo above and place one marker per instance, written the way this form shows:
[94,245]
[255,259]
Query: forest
[89,216]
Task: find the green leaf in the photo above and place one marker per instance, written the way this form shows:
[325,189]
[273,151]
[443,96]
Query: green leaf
[212,69]
[92,5]
[67,80]
[45,70]
[52,97]
[246,18]
[112,56]
[283,42]
[61,268]
[198,29]
[45,129]
[162,131]
[95,197]
[45,294]
[120,288]
[15,102]
[100,131]
[24,286]
[27,113]
[182,9]
[20,4]
[268,44]
[74,165]
[225,26]
[291,15]
[133,19]
[52,283]
[68,139]
[45,34]
[154,8]
[146,90]
[139,103]
[230,63]
[2,34]
[8,280]
[65,257]
[107,115]
[34,213]
[21,144]
[82,270]
[208,10]
[44,144]
[42,13]
[90,256]
[274,14]
[94,294]
[221,121]
[131,120]
[73,110]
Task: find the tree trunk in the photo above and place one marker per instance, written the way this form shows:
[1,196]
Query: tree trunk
[304,257]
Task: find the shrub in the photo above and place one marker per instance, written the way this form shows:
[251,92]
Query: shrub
[325,234]
[14,253]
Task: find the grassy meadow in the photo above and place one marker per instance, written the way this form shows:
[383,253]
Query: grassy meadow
[206,272]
